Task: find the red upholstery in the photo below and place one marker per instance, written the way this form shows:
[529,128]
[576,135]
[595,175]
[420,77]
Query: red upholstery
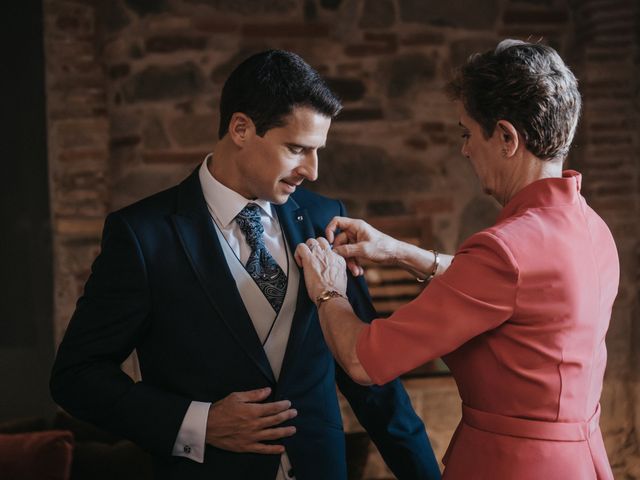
[36,456]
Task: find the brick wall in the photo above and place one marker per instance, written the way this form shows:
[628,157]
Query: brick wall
[78,138]
[133,89]
[607,155]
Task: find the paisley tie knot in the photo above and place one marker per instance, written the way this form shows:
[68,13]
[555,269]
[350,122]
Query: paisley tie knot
[250,225]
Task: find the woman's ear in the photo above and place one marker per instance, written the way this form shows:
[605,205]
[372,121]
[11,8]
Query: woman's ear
[241,127]
[509,139]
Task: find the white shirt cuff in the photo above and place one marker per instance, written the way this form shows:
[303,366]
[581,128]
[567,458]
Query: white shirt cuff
[191,436]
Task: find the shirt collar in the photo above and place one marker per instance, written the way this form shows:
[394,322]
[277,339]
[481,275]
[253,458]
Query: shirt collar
[225,203]
[548,192]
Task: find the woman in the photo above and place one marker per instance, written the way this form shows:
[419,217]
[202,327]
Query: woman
[520,312]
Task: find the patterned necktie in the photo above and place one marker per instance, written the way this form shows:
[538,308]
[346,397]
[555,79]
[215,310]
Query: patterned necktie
[261,266]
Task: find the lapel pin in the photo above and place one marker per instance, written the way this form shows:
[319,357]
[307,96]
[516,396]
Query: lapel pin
[300,218]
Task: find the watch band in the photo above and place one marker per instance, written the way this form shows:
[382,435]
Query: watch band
[327,295]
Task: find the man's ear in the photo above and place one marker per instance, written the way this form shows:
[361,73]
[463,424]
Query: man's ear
[509,139]
[241,128]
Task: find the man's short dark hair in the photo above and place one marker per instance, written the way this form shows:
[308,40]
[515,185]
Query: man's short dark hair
[268,85]
[526,84]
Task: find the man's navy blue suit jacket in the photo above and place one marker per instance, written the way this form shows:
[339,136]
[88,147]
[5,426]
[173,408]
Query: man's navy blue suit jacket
[161,285]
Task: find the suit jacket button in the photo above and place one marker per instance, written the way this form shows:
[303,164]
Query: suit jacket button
[186,449]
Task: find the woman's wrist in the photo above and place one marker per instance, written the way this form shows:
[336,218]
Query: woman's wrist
[326,295]
[401,256]
[434,268]
[409,257]
[423,264]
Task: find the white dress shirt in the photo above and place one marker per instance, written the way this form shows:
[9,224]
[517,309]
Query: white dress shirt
[224,205]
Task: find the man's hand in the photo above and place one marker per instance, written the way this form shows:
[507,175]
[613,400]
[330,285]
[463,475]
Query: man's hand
[359,241]
[239,424]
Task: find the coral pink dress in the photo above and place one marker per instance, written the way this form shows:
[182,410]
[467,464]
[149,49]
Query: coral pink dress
[520,317]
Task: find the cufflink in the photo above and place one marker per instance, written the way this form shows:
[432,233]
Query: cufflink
[186,449]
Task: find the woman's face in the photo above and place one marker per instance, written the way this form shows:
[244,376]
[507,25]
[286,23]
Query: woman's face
[483,153]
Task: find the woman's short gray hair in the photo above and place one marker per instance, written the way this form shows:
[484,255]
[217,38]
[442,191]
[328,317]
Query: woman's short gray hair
[526,84]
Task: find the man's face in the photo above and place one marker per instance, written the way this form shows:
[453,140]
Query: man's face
[483,153]
[275,164]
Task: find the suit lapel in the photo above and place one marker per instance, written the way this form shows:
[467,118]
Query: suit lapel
[297,228]
[199,239]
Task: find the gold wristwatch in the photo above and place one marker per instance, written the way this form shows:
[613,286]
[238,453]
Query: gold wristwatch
[327,295]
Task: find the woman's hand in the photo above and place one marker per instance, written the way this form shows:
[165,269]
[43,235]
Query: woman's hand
[323,269]
[359,241]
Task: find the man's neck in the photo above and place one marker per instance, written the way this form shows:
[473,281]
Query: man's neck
[223,167]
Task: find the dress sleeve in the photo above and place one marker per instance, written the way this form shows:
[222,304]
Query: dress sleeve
[476,294]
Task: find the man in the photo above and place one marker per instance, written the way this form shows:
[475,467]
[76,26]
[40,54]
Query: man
[237,381]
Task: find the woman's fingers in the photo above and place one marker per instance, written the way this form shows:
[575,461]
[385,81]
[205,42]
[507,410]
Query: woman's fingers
[331,228]
[323,243]
[341,239]
[322,268]
[354,267]
[346,238]
[349,250]
[302,254]
[340,223]
[312,243]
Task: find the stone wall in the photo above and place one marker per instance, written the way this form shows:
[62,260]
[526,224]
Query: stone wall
[133,90]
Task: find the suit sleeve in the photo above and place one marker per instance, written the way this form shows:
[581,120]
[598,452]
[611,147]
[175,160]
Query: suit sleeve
[477,293]
[385,411]
[110,319]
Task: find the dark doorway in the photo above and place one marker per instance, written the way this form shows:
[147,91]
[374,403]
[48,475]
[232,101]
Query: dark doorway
[26,278]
